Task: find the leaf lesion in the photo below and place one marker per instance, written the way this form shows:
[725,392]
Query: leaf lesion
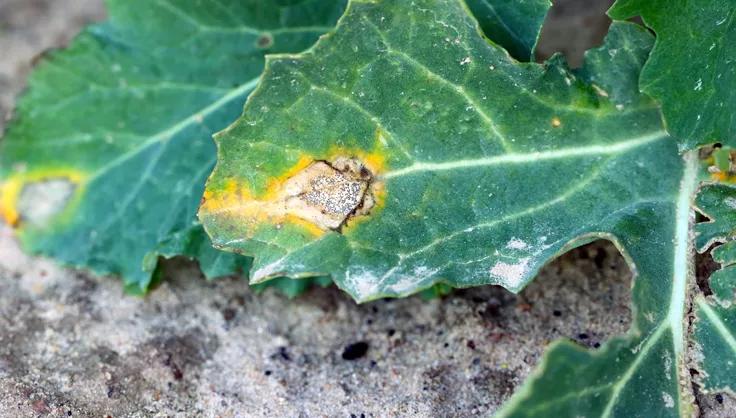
[329,193]
[322,195]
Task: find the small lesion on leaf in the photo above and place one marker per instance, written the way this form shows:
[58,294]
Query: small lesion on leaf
[264,40]
[329,193]
[318,195]
[41,201]
[36,198]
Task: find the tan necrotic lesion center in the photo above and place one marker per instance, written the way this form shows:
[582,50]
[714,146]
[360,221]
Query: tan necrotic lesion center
[319,195]
[329,193]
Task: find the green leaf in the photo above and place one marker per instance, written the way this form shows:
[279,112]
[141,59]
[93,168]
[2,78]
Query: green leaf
[722,159]
[715,326]
[692,68]
[641,374]
[116,128]
[194,244]
[718,202]
[513,24]
[715,337]
[478,169]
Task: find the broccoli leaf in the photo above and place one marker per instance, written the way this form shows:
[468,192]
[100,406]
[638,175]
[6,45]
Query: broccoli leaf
[513,24]
[404,150]
[107,156]
[715,326]
[692,66]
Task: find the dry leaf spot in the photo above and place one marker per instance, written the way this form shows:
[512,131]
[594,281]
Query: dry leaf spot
[327,194]
[265,40]
[40,201]
[37,197]
[316,195]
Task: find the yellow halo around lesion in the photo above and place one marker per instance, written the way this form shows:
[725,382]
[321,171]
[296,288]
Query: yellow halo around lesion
[236,196]
[722,177]
[12,187]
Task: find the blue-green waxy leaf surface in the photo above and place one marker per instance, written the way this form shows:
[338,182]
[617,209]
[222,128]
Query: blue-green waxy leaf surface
[715,327]
[481,168]
[692,68]
[118,127]
[641,374]
[404,150]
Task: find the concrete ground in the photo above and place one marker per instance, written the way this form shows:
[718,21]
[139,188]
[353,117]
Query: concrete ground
[71,344]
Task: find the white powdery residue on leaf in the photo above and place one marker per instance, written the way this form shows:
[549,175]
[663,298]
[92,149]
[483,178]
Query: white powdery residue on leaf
[667,365]
[510,275]
[543,247]
[669,402]
[730,202]
[363,284]
[422,272]
[698,85]
[516,244]
[408,282]
[402,285]
[649,316]
[268,270]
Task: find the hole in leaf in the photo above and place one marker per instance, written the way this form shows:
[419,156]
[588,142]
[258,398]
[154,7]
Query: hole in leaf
[572,27]
[701,218]
[716,405]
[704,267]
[585,295]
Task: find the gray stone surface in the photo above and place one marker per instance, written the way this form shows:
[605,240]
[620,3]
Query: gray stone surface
[71,344]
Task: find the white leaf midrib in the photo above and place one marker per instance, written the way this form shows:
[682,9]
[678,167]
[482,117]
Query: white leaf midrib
[681,270]
[723,331]
[530,157]
[176,127]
